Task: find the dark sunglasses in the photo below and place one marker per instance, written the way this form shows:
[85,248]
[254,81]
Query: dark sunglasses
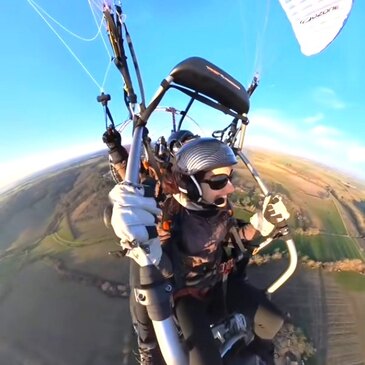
[218,182]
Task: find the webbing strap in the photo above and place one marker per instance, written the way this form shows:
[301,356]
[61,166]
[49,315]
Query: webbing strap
[152,160]
[237,239]
[108,114]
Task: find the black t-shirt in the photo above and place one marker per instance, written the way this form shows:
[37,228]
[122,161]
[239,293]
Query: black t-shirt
[198,238]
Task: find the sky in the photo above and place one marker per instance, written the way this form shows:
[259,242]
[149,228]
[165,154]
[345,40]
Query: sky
[306,106]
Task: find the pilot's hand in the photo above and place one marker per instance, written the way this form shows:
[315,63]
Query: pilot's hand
[274,214]
[134,222]
[112,138]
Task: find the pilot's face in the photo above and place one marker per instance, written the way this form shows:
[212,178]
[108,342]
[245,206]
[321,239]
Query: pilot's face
[216,186]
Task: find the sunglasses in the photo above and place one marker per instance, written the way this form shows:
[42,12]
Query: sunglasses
[218,182]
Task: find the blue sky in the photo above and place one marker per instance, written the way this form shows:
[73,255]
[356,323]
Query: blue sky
[307,106]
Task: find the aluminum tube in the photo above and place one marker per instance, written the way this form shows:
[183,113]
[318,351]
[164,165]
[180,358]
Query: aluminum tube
[293,260]
[157,98]
[132,171]
[254,173]
[166,332]
[292,251]
[169,342]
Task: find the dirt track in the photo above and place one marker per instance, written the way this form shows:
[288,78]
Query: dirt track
[325,311]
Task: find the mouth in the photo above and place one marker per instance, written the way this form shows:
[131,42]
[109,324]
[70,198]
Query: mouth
[221,201]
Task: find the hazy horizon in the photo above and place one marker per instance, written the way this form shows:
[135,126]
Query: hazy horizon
[306,106]
[6,185]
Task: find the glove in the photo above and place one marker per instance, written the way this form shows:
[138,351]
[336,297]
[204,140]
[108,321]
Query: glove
[133,220]
[113,140]
[273,215]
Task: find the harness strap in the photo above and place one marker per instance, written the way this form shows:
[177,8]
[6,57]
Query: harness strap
[237,239]
[193,292]
[152,161]
[225,268]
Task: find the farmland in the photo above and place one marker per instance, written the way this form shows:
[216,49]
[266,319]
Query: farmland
[58,281]
[325,208]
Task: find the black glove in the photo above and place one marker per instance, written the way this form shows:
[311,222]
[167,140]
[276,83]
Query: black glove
[113,140]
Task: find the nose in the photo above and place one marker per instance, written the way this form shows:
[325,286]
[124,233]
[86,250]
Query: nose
[229,188]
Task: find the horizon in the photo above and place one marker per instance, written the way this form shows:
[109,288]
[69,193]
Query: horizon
[304,106]
[246,150]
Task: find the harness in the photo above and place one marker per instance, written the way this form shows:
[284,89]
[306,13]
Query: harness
[197,280]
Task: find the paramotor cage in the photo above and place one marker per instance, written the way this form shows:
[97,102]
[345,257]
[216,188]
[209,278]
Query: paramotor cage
[207,83]
[204,82]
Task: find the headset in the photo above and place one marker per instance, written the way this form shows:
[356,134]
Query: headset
[190,186]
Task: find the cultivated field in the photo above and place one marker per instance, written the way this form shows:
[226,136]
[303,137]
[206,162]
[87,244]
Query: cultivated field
[330,314]
[327,209]
[63,298]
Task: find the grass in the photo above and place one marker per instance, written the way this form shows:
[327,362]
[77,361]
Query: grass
[330,217]
[47,246]
[326,248]
[325,214]
[351,281]
[319,247]
[242,214]
[64,229]
[9,266]
[278,188]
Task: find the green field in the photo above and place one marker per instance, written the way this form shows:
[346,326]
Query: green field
[351,281]
[328,215]
[10,265]
[326,248]
[320,247]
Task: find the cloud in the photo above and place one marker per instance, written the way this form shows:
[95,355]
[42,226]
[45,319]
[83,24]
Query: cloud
[325,131]
[314,119]
[27,165]
[275,130]
[327,143]
[322,130]
[356,154]
[327,97]
[326,137]
[271,121]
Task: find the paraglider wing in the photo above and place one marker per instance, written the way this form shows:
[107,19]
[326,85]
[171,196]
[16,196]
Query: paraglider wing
[316,23]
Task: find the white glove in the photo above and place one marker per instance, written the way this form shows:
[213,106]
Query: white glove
[273,213]
[132,213]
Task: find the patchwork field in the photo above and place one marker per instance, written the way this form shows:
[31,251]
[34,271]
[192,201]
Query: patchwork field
[327,307]
[326,208]
[64,298]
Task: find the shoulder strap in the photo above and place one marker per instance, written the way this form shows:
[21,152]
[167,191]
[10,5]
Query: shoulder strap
[152,161]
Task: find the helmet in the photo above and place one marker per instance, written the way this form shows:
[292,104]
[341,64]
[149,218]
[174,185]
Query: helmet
[177,139]
[196,156]
[203,154]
